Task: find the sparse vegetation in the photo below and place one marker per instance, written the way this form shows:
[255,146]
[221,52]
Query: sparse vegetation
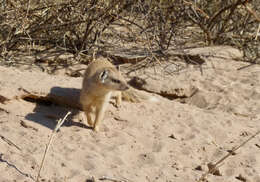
[83,27]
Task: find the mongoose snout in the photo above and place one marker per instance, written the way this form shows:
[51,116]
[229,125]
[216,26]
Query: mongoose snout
[124,87]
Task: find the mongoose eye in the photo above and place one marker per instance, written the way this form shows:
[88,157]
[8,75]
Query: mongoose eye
[103,75]
[115,81]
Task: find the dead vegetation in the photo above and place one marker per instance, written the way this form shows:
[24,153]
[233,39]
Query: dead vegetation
[31,29]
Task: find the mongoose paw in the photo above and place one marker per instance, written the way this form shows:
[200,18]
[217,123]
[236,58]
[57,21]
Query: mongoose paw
[96,128]
[118,105]
[90,123]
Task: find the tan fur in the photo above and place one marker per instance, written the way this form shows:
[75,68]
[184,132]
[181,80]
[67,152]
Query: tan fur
[134,95]
[101,79]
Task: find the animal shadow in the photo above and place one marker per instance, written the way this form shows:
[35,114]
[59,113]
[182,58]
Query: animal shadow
[59,101]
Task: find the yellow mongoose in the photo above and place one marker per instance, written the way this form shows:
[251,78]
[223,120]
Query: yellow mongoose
[101,78]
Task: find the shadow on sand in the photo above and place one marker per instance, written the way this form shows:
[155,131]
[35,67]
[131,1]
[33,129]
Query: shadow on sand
[49,109]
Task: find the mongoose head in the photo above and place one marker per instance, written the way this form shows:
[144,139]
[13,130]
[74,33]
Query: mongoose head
[111,79]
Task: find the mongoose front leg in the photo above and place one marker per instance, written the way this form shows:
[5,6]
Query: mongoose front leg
[100,111]
[118,99]
[89,119]
[88,110]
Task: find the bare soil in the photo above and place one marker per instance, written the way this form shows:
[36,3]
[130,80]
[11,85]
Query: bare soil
[170,141]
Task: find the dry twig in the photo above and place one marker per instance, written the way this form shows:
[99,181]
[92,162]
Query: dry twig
[215,166]
[54,131]
[9,142]
[112,179]
[257,32]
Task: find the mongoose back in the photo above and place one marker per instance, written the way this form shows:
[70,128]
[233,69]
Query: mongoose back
[101,78]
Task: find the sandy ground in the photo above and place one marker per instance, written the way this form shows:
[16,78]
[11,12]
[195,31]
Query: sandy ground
[165,142]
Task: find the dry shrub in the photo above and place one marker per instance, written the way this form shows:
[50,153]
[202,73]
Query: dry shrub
[231,22]
[72,25]
[82,26]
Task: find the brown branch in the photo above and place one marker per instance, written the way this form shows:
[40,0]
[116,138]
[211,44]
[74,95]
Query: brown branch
[204,28]
[212,19]
[197,8]
[252,12]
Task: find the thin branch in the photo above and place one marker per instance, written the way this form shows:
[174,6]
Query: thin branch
[212,19]
[9,142]
[197,8]
[214,168]
[54,131]
[257,32]
[252,12]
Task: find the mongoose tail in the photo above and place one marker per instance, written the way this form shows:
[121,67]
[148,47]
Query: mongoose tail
[134,95]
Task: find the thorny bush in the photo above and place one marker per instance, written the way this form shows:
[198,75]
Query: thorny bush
[82,27]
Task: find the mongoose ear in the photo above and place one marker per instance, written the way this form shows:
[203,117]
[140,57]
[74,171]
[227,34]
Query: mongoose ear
[103,75]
